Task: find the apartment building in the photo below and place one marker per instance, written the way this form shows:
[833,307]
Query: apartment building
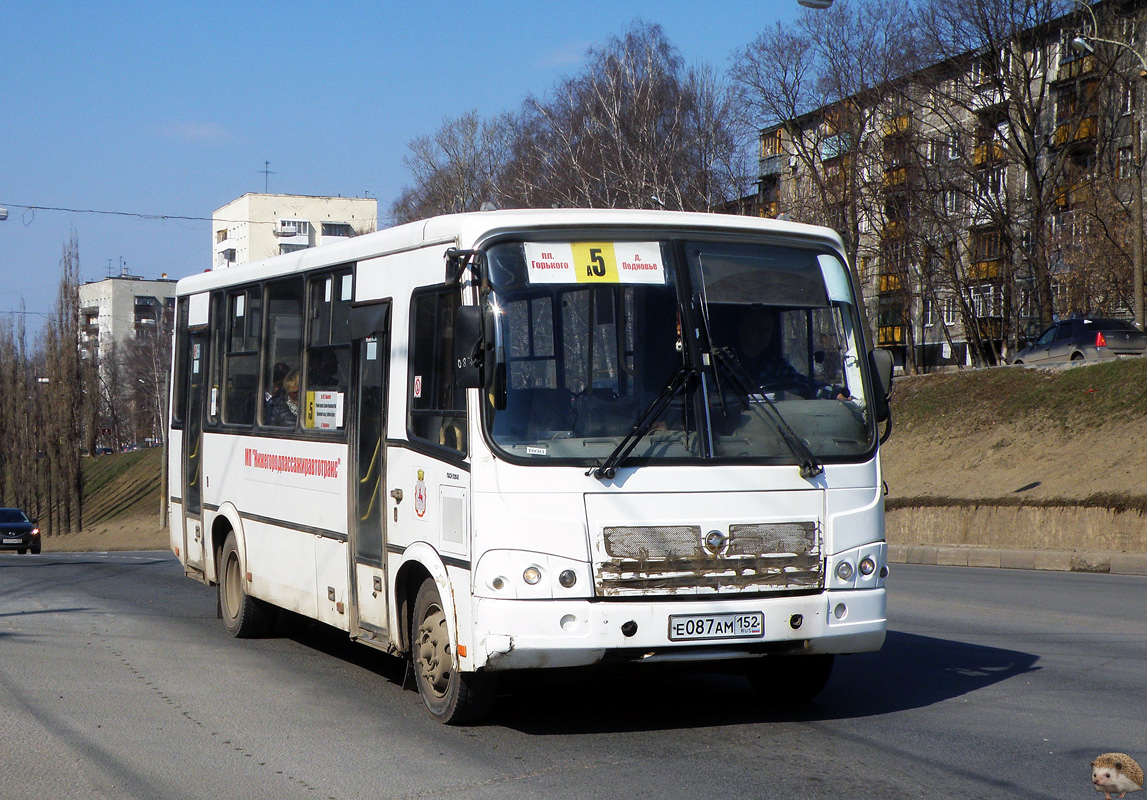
[258,226]
[117,309]
[983,197]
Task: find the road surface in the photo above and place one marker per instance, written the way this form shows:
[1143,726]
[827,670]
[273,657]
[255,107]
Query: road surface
[118,681]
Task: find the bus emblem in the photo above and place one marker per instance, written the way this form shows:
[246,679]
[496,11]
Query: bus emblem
[420,494]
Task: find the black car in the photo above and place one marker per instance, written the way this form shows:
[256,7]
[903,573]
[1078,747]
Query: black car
[17,532]
[1084,340]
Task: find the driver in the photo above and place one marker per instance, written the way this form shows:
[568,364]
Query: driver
[758,353]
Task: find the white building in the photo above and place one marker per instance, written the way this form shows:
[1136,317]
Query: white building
[258,226]
[119,308]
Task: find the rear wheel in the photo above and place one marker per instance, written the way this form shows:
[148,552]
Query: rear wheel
[243,615]
[789,680]
[1075,357]
[451,696]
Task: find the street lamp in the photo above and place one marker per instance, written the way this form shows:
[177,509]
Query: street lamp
[1082,44]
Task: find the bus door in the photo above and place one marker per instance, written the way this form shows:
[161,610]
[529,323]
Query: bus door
[367,526]
[197,381]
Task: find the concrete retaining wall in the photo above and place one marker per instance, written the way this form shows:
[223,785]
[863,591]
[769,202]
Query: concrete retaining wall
[1025,537]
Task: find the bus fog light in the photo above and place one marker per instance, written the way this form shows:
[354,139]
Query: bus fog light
[867,566]
[567,578]
[841,611]
[532,575]
[844,570]
[569,623]
[796,620]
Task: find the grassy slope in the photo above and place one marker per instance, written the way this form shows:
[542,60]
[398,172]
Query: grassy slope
[123,484]
[1088,405]
[1074,399]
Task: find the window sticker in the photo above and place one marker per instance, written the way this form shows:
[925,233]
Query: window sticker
[594,262]
[324,411]
[418,386]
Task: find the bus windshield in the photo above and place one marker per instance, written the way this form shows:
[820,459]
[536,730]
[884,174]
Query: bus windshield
[744,351]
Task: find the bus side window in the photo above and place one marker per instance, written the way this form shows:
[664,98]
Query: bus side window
[437,404]
[241,370]
[179,375]
[328,351]
[282,350]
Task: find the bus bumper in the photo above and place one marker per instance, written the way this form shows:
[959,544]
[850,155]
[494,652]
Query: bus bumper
[568,633]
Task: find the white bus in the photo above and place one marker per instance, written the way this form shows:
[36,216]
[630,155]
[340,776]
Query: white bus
[522,439]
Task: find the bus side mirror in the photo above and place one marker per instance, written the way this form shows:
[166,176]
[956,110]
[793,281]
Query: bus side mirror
[880,361]
[468,347]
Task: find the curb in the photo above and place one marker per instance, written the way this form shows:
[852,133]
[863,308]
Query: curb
[1050,560]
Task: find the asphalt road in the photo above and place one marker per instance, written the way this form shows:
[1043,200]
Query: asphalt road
[118,681]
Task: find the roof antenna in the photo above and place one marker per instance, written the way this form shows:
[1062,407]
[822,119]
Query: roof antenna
[267,173]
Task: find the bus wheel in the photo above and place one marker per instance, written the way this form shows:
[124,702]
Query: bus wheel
[451,696]
[243,615]
[788,680]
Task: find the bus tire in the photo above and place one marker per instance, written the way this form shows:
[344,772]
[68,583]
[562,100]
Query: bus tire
[451,696]
[790,680]
[243,615]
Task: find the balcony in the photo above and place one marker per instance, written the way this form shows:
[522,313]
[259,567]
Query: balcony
[987,153]
[895,178]
[770,210]
[989,327]
[894,229]
[1069,132]
[889,283]
[984,270]
[772,165]
[898,125]
[887,335]
[1070,70]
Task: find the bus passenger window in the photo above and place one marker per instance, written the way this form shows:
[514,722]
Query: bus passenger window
[437,403]
[241,378]
[328,352]
[282,346]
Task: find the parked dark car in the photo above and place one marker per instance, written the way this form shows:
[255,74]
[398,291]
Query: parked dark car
[17,532]
[1082,340]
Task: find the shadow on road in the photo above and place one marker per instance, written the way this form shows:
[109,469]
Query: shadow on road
[911,671]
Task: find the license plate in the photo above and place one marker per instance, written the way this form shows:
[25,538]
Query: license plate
[13,541]
[744,625]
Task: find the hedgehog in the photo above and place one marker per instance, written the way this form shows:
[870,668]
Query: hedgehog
[1116,773]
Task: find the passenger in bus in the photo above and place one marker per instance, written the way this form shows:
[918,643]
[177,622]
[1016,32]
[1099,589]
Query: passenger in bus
[758,355]
[283,409]
[279,372]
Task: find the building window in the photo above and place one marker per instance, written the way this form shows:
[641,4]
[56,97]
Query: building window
[949,311]
[342,229]
[1124,163]
[926,313]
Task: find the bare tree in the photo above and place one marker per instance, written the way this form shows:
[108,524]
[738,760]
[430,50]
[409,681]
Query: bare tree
[634,129]
[455,170]
[826,81]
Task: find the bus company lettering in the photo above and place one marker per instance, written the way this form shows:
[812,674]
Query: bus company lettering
[296,465]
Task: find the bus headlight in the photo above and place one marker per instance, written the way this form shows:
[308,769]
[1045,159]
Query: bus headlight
[524,575]
[567,578]
[867,566]
[845,570]
[532,575]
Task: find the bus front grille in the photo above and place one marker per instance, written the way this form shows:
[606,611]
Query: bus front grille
[674,559]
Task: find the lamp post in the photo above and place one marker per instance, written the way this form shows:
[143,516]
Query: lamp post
[1082,44]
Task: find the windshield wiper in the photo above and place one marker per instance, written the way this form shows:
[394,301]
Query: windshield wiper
[677,381]
[809,466]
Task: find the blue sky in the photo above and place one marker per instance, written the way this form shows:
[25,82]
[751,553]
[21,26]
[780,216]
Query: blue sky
[172,109]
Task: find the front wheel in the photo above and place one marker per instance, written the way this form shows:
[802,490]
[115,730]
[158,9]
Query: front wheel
[788,680]
[243,615]
[451,696]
